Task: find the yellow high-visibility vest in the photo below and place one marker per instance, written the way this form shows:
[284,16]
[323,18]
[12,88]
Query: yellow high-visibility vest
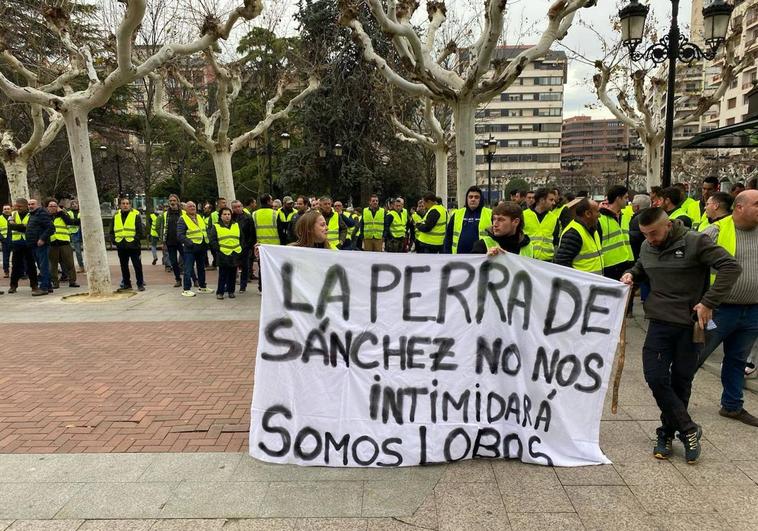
[18,220]
[125,230]
[541,233]
[286,218]
[590,257]
[333,230]
[265,226]
[74,215]
[153,225]
[526,251]
[691,209]
[615,242]
[436,236]
[399,223]
[229,238]
[485,222]
[373,224]
[61,233]
[197,233]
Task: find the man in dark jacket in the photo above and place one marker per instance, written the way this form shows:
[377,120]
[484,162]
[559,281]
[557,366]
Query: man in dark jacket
[467,225]
[677,262]
[33,248]
[173,247]
[247,240]
[127,232]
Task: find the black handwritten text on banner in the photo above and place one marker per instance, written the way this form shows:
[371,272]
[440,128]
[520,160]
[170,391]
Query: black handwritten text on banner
[379,360]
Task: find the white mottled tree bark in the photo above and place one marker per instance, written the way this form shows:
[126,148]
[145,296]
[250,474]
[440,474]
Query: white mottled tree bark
[75,107]
[212,132]
[462,89]
[16,158]
[438,141]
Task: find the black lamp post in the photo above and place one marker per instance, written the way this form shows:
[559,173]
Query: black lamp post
[268,149]
[572,165]
[627,154]
[334,162]
[104,154]
[671,48]
[490,148]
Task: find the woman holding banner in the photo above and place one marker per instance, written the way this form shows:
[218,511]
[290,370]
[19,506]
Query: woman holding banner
[311,231]
[506,233]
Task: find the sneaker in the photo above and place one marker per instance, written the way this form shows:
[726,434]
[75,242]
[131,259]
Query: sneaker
[662,448]
[741,415]
[39,292]
[231,296]
[691,442]
[140,288]
[188,293]
[204,290]
[242,290]
[220,296]
[749,369]
[178,284]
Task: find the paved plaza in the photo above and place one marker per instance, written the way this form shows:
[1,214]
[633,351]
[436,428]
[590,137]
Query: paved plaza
[133,415]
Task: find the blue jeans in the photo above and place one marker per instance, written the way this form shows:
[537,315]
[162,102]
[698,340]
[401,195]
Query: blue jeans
[737,329]
[154,246]
[192,259]
[76,245]
[43,264]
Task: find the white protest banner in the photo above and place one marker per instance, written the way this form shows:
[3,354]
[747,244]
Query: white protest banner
[368,359]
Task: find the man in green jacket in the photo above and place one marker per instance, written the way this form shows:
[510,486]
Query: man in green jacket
[677,262]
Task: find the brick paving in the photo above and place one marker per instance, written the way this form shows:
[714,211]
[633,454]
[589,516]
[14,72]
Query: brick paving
[126,387]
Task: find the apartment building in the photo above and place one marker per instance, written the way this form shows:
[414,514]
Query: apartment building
[733,106]
[595,142]
[526,121]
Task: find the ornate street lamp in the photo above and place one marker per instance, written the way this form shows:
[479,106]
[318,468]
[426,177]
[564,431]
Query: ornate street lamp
[627,154]
[489,148]
[671,48]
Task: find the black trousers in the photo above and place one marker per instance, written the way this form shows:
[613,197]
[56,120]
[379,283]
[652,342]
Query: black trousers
[669,361]
[135,255]
[23,263]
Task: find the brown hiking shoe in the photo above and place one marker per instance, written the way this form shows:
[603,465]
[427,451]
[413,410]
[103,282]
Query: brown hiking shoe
[741,415]
[39,292]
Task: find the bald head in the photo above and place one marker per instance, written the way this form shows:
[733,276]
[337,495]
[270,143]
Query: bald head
[745,210]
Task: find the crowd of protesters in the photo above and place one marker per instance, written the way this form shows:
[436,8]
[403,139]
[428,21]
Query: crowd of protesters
[694,261]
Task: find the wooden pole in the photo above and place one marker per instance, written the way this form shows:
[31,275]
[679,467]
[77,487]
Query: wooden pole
[621,357]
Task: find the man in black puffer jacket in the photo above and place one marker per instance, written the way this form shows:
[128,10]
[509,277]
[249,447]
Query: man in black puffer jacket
[37,233]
